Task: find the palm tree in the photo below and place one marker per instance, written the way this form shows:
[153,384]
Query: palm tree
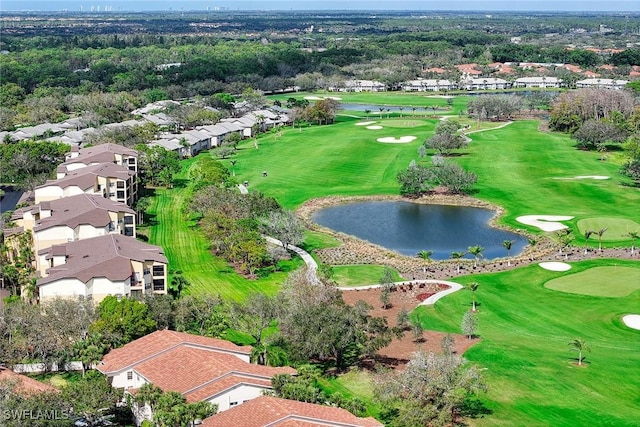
[413,110]
[426,257]
[473,287]
[507,245]
[579,345]
[476,251]
[457,255]
[600,233]
[381,111]
[587,234]
[634,237]
[367,112]
[401,109]
[233,167]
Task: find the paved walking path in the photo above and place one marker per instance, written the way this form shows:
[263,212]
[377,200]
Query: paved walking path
[312,265]
[453,287]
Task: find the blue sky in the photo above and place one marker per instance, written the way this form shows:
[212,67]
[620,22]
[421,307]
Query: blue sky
[494,5]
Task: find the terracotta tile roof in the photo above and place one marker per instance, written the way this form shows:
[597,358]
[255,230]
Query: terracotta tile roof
[591,74]
[435,70]
[75,210]
[219,386]
[158,342]
[24,385]
[276,412]
[188,370]
[104,256]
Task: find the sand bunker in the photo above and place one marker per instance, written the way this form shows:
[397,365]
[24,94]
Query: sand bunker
[318,98]
[545,222]
[374,127]
[401,140]
[555,266]
[632,321]
[591,177]
[585,177]
[364,123]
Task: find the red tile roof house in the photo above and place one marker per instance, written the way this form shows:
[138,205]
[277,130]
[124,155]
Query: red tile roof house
[100,266]
[275,412]
[200,368]
[22,384]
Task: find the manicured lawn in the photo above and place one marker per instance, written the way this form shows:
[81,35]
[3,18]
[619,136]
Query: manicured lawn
[525,330]
[341,159]
[355,383]
[315,240]
[617,228]
[356,275]
[188,251]
[614,282]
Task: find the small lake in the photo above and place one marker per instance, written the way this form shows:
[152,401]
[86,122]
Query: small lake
[409,228]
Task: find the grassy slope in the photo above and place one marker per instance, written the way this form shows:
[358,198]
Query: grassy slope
[525,329]
[187,249]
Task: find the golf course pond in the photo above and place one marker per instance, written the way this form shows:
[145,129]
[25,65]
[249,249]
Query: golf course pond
[409,228]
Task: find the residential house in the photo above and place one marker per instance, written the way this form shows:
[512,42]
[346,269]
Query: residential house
[154,107]
[216,133]
[186,144]
[602,83]
[74,218]
[434,70]
[200,368]
[109,180]
[74,138]
[428,85]
[469,71]
[103,153]
[484,83]
[22,384]
[37,132]
[361,86]
[159,119]
[100,266]
[537,82]
[246,122]
[269,411]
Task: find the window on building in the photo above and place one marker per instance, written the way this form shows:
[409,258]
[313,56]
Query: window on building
[158,284]
[130,375]
[231,404]
[120,194]
[158,270]
[120,184]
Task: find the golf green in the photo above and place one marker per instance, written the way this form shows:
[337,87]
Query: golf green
[612,282]
[617,228]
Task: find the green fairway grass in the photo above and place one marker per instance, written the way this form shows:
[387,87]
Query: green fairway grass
[188,251]
[525,330]
[356,275]
[340,159]
[617,228]
[613,282]
[355,383]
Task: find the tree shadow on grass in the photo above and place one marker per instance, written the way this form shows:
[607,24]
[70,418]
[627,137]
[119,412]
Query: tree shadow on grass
[473,407]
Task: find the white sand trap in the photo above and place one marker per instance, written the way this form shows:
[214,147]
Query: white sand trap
[632,321]
[591,177]
[584,177]
[374,127]
[364,123]
[555,266]
[401,140]
[318,98]
[545,222]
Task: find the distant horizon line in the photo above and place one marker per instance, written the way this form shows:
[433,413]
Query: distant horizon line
[238,9]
